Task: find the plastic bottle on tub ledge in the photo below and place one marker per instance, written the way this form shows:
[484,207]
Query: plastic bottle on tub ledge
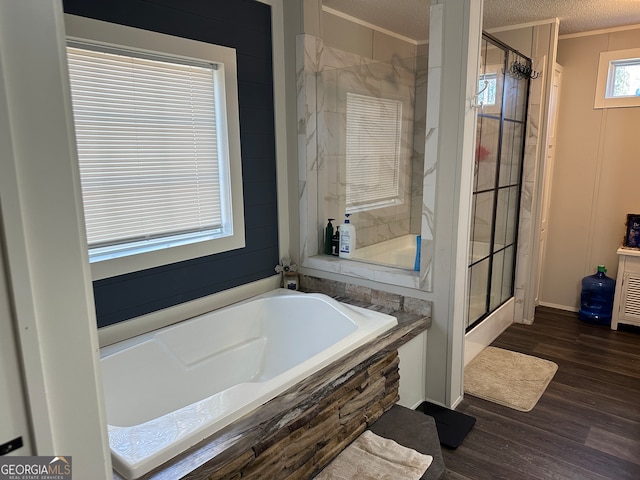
[416,263]
[596,297]
[335,242]
[347,238]
[328,237]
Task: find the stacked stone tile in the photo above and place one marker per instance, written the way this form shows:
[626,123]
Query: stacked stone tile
[310,438]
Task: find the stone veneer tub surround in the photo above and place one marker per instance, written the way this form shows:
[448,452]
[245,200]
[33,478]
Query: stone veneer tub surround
[240,444]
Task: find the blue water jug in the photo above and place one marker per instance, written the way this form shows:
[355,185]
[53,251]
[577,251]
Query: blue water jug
[596,298]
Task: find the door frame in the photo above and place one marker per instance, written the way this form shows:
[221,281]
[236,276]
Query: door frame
[14,418]
[555,92]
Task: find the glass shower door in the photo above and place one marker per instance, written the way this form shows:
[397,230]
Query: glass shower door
[497,180]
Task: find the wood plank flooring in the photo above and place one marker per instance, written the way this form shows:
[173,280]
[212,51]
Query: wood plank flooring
[586,426]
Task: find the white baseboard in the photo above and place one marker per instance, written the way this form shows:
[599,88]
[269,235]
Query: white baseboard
[559,307]
[456,402]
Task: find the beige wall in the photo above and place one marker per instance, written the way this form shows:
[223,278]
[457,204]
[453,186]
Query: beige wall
[596,175]
[351,37]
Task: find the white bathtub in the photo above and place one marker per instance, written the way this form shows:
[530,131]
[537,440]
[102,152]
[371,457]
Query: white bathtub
[398,252]
[167,390]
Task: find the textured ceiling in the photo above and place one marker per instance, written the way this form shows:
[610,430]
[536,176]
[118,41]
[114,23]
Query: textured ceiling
[575,15]
[410,18]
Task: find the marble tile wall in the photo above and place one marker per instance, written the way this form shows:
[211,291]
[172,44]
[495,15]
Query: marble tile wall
[432,123]
[419,130]
[344,73]
[320,163]
[308,48]
[531,154]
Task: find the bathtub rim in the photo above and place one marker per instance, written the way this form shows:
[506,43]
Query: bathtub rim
[115,347]
[121,331]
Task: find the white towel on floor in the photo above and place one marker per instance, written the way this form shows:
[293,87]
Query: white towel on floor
[371,457]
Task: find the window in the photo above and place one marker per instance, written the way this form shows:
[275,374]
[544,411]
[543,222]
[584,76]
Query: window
[159,165]
[149,160]
[373,152]
[618,82]
[487,85]
[625,79]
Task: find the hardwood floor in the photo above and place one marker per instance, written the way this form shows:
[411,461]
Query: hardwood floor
[585,426]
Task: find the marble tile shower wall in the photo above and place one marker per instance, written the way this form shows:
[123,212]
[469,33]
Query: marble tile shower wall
[344,73]
[419,132]
[312,56]
[532,144]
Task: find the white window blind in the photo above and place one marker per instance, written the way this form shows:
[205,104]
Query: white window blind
[147,146]
[373,151]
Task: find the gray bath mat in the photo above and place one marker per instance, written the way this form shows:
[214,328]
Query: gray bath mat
[508,378]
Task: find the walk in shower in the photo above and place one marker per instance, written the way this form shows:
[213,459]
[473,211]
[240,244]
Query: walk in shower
[502,111]
[371,128]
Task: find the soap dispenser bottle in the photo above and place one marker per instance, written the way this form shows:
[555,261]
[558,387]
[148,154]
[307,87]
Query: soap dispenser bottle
[347,238]
[328,237]
[335,242]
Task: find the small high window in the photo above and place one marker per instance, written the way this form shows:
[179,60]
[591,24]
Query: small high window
[625,79]
[618,83]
